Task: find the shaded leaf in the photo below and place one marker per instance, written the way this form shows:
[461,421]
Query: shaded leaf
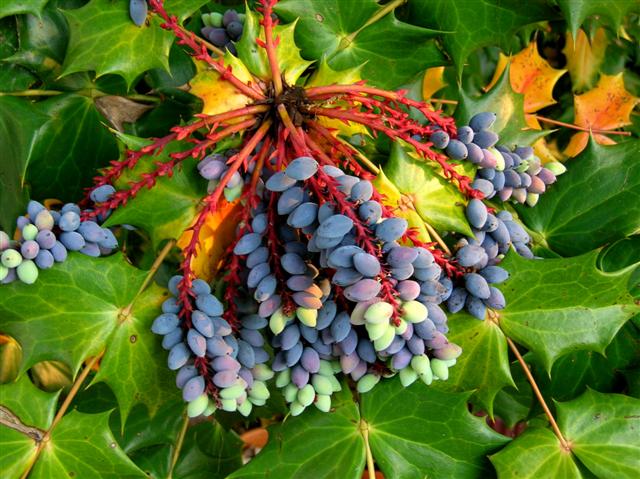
[513,404]
[15,7]
[607,107]
[557,306]
[585,57]
[577,11]
[12,77]
[596,202]
[392,52]
[421,432]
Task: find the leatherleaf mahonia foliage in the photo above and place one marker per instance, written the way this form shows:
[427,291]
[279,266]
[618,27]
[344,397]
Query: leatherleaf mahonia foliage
[303,253]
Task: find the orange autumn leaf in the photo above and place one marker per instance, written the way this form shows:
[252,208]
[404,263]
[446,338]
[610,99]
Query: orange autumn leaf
[606,107]
[584,57]
[532,76]
[215,236]
[432,82]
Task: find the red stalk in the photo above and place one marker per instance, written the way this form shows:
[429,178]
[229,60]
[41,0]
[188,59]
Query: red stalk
[270,44]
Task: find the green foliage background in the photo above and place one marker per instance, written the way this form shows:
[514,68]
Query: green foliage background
[78,81]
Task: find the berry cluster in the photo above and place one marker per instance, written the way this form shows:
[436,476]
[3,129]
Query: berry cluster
[223,29]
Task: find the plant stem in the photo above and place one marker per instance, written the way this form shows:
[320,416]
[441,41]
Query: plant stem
[434,234]
[364,430]
[581,128]
[270,46]
[63,409]
[536,390]
[178,446]
[31,93]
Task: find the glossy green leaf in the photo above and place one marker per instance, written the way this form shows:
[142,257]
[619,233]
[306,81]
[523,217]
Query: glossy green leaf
[602,430]
[142,431]
[352,33]
[421,432]
[484,365]
[473,24]
[314,444]
[75,129]
[14,7]
[597,201]
[614,11]
[26,406]
[621,254]
[556,306]
[19,125]
[435,199]
[169,208]
[119,46]
[508,105]
[514,404]
[12,77]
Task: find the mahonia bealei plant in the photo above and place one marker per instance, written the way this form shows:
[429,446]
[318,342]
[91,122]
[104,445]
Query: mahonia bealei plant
[321,268]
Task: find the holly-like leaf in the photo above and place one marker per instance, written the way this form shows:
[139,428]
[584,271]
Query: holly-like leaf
[31,411]
[435,199]
[353,33]
[602,431]
[314,444]
[557,306]
[75,128]
[15,7]
[433,81]
[119,46]
[12,77]
[19,124]
[474,24]
[484,367]
[613,11]
[514,404]
[531,75]
[596,202]
[509,108]
[167,209]
[585,57]
[423,432]
[607,107]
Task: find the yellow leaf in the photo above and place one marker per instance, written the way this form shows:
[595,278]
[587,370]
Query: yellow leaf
[531,75]
[216,235]
[220,95]
[547,151]
[503,61]
[606,107]
[584,58]
[432,82]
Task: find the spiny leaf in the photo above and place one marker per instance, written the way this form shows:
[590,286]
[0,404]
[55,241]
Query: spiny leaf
[584,57]
[350,34]
[531,75]
[484,367]
[509,108]
[433,81]
[435,199]
[607,107]
[12,77]
[602,431]
[557,306]
[19,124]
[422,432]
[16,7]
[297,448]
[614,11]
[167,209]
[477,23]
[596,202]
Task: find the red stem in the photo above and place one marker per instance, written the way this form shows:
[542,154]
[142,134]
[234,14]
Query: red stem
[270,44]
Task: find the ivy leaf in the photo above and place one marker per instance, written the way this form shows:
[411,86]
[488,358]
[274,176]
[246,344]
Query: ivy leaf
[74,129]
[19,124]
[435,199]
[509,108]
[119,46]
[602,430]
[556,306]
[577,11]
[16,7]
[477,23]
[423,432]
[532,76]
[607,107]
[301,446]
[350,34]
[34,409]
[168,208]
[134,363]
[484,366]
[596,202]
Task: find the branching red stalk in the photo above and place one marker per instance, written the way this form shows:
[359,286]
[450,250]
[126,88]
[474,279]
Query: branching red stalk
[190,40]
[270,44]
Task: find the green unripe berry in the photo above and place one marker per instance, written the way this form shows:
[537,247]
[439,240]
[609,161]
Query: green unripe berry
[197,406]
[233,392]
[229,405]
[278,321]
[414,311]
[386,339]
[420,364]
[307,316]
[216,19]
[245,408]
[262,372]
[326,369]
[306,395]
[290,392]
[283,378]
[259,390]
[4,271]
[335,384]
[555,167]
[408,376]
[10,258]
[401,327]
[378,313]
[322,384]
[323,402]
[211,408]
[440,369]
[296,408]
[376,330]
[27,272]
[367,382]
[29,232]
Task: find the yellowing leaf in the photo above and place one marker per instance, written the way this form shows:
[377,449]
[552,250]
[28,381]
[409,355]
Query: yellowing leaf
[432,82]
[606,107]
[216,235]
[547,151]
[584,58]
[220,95]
